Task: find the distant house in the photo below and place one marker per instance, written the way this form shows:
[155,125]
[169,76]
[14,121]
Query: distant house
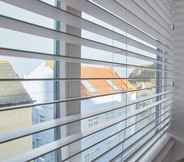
[89,87]
[105,103]
[43,91]
[103,86]
[12,94]
[150,83]
[40,92]
[100,87]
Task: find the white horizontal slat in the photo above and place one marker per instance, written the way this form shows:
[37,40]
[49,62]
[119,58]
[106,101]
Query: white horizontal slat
[89,8]
[165,9]
[24,27]
[62,58]
[64,121]
[128,8]
[168,4]
[132,135]
[76,21]
[159,10]
[166,143]
[143,148]
[49,56]
[31,155]
[143,143]
[153,16]
[22,106]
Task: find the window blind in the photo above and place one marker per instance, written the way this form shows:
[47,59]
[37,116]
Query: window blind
[84,80]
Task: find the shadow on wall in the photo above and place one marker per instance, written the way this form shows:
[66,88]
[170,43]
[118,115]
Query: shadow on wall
[181,160]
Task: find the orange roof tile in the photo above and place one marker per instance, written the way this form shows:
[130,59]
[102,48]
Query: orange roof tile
[102,86]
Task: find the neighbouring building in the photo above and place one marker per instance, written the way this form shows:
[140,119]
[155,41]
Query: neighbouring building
[11,95]
[88,87]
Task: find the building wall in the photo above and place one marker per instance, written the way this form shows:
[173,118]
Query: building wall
[13,94]
[10,121]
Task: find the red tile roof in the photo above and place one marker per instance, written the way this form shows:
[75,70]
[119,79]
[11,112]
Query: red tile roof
[102,86]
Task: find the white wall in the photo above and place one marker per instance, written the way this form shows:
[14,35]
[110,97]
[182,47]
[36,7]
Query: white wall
[177,126]
[174,154]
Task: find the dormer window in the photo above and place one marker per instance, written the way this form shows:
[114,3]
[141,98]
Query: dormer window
[114,87]
[89,86]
